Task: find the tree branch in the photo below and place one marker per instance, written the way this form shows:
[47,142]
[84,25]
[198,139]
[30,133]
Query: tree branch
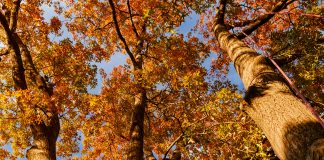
[37,78]
[180,136]
[131,18]
[220,13]
[14,15]
[128,51]
[319,104]
[99,28]
[281,61]
[172,144]
[18,67]
[240,24]
[263,19]
[10,38]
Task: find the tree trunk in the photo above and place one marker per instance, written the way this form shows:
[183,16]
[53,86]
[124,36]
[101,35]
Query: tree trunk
[44,134]
[44,143]
[291,129]
[135,150]
[137,128]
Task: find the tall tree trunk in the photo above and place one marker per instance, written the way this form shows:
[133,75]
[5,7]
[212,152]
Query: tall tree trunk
[44,134]
[137,128]
[291,129]
[135,150]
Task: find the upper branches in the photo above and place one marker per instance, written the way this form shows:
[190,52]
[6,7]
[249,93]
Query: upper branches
[14,15]
[8,32]
[258,22]
[18,67]
[249,25]
[220,13]
[131,18]
[129,52]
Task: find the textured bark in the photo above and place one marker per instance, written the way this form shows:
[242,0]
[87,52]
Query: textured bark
[137,128]
[291,129]
[45,136]
[135,150]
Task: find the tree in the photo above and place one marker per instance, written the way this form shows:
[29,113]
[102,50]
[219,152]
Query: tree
[141,32]
[163,102]
[284,119]
[35,94]
[178,107]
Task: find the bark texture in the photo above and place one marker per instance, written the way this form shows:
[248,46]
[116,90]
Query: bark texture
[291,129]
[137,128]
[135,150]
[44,144]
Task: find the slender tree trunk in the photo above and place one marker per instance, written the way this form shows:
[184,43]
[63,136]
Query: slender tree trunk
[137,128]
[135,150]
[44,134]
[291,129]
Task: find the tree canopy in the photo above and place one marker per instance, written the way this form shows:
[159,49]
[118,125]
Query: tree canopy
[169,100]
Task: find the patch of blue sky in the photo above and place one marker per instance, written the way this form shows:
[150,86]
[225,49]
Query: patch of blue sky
[49,13]
[115,60]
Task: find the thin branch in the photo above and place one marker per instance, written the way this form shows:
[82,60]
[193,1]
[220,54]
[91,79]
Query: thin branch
[7,30]
[240,24]
[171,145]
[140,43]
[281,61]
[263,19]
[130,54]
[319,104]
[157,95]
[131,18]
[180,136]
[18,67]
[246,6]
[99,28]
